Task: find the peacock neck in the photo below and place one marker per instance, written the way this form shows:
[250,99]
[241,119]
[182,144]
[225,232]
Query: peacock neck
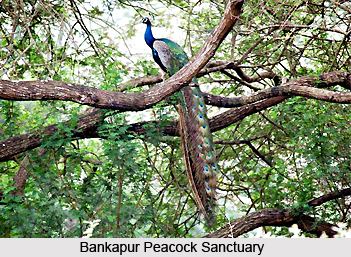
[149,38]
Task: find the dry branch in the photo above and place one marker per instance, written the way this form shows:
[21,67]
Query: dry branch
[273,217]
[285,217]
[88,124]
[309,86]
[56,90]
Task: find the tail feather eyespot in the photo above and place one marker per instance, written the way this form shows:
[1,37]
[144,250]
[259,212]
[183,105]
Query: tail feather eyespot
[207,187]
[196,94]
[202,108]
[210,156]
[204,129]
[214,167]
[207,170]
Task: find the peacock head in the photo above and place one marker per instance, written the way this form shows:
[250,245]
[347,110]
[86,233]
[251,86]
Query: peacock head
[146,20]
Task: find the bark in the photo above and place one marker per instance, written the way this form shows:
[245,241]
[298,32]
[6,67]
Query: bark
[88,125]
[56,90]
[283,217]
[20,179]
[331,196]
[86,128]
[273,217]
[309,86]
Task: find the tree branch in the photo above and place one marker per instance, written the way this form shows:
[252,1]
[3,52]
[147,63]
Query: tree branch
[331,196]
[87,127]
[304,86]
[284,217]
[273,217]
[88,123]
[56,90]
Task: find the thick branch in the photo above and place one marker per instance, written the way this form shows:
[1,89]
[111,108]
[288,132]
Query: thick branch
[87,127]
[304,86]
[30,90]
[273,217]
[88,124]
[285,217]
[55,90]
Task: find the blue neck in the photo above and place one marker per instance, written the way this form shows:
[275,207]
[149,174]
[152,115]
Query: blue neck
[149,38]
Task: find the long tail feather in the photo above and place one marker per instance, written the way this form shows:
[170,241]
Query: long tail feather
[199,154]
[188,160]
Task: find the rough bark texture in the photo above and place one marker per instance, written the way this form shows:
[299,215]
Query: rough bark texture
[88,124]
[56,90]
[86,128]
[309,87]
[273,217]
[285,217]
[22,174]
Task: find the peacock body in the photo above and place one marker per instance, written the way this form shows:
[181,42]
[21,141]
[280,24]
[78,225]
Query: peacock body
[196,137]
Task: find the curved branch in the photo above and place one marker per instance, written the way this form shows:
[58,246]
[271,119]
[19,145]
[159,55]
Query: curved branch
[86,127]
[88,124]
[55,90]
[273,217]
[304,86]
[284,217]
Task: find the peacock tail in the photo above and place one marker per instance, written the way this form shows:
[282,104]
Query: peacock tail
[199,153]
[196,137]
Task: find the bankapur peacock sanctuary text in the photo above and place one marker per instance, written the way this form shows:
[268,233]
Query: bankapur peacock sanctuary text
[191,247]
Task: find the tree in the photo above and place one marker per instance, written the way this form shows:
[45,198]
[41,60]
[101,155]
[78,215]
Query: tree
[88,133]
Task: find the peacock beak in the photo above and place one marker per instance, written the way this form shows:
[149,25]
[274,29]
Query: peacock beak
[145,20]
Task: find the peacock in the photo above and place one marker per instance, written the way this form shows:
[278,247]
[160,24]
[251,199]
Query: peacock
[196,137]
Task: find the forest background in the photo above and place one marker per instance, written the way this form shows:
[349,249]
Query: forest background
[81,157]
